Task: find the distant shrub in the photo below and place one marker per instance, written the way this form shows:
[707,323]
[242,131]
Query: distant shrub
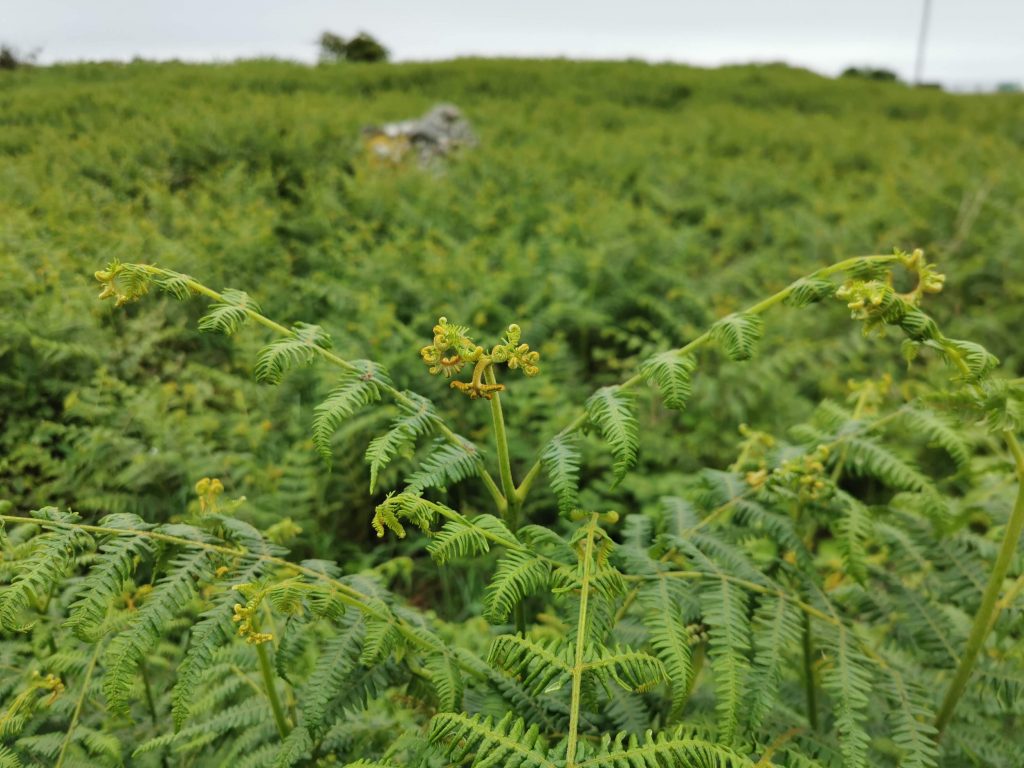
[871,73]
[9,58]
[362,47]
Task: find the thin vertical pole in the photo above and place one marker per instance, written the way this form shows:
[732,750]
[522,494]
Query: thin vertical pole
[922,40]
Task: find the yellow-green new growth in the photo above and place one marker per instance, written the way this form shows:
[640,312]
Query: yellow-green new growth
[451,349]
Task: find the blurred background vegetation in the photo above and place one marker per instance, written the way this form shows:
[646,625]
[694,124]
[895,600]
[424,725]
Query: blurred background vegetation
[611,209]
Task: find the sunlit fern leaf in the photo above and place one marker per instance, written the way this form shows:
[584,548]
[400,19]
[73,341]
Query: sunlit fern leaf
[776,631]
[810,290]
[445,465]
[354,390]
[446,680]
[738,334]
[169,597]
[847,679]
[539,666]
[518,574]
[114,566]
[179,286]
[9,759]
[725,611]
[286,352]
[613,411]
[671,371]
[480,742]
[53,552]
[677,747]
[229,315]
[561,459]
[417,417]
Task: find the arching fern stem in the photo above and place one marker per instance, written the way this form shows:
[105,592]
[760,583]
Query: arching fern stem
[705,338]
[984,619]
[197,287]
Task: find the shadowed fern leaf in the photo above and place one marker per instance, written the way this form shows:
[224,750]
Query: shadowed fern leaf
[354,390]
[561,461]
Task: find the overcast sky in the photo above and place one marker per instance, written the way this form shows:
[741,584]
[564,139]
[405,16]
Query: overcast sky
[970,41]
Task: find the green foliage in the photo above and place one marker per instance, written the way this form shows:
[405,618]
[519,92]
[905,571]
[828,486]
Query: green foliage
[804,599]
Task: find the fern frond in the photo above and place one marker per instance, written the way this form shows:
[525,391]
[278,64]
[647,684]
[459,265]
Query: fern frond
[671,371]
[853,528]
[972,360]
[225,316]
[381,638]
[668,748]
[468,537]
[668,636]
[777,629]
[445,465]
[408,506]
[539,666]
[911,720]
[847,679]
[519,573]
[479,742]
[354,390]
[613,411]
[810,290]
[738,334]
[115,563]
[286,352]
[52,553]
[633,670]
[416,418]
[866,457]
[939,431]
[561,461]
[168,598]
[725,611]
[446,680]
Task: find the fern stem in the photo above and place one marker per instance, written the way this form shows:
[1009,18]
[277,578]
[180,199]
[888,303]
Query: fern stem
[809,687]
[508,485]
[78,706]
[755,309]
[983,619]
[326,354]
[267,670]
[578,665]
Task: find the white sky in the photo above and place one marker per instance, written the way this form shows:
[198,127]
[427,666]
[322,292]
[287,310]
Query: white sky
[971,41]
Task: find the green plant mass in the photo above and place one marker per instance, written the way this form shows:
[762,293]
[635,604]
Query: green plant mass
[676,422]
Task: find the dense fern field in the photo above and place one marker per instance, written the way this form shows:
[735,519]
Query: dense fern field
[676,423]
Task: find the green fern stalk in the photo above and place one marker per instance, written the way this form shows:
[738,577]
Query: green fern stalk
[983,619]
[269,683]
[578,663]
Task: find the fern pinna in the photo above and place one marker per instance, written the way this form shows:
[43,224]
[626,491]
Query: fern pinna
[821,601]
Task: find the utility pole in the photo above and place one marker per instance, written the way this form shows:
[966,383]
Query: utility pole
[922,40]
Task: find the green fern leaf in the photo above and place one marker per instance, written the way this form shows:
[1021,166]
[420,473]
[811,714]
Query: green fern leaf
[540,667]
[671,371]
[633,670]
[282,354]
[229,315]
[476,741]
[613,411]
[468,537]
[52,554]
[446,680]
[668,636]
[446,465]
[847,679]
[738,334]
[810,290]
[777,630]
[519,574]
[668,748]
[168,598]
[354,390]
[416,418]
[724,606]
[561,461]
